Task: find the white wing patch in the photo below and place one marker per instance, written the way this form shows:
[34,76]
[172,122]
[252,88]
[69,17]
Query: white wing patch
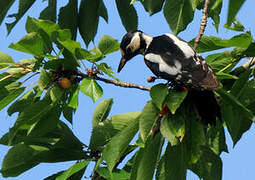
[163,66]
[185,48]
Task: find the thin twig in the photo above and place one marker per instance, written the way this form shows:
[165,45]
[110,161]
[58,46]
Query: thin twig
[116,83]
[203,24]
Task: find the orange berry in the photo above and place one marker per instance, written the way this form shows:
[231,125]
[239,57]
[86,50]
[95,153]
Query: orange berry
[65,82]
[151,79]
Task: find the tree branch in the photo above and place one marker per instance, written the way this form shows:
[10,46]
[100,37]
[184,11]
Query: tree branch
[244,67]
[203,24]
[115,82]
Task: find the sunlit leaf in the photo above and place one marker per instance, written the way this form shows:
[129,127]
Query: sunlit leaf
[147,119]
[108,45]
[45,80]
[102,111]
[5,60]
[90,88]
[158,94]
[174,99]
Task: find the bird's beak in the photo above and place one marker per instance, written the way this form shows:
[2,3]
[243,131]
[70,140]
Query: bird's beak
[122,64]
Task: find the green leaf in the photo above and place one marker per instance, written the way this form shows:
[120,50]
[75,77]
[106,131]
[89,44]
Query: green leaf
[45,80]
[46,124]
[147,158]
[24,5]
[116,148]
[210,43]
[221,75]
[220,61]
[90,88]
[68,113]
[174,99]
[32,43]
[115,175]
[147,119]
[13,94]
[127,14]
[50,12]
[216,138]
[88,19]
[158,94]
[152,6]
[56,93]
[102,111]
[237,26]
[247,92]
[108,45]
[5,60]
[250,51]
[33,113]
[103,11]
[6,90]
[178,14]
[88,55]
[209,166]
[174,163]
[22,102]
[18,160]
[239,85]
[4,7]
[68,17]
[107,70]
[105,130]
[73,101]
[237,117]
[233,8]
[72,170]
[172,128]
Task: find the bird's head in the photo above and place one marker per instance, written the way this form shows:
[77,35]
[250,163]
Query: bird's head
[131,45]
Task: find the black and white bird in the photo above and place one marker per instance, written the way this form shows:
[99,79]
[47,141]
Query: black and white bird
[173,59]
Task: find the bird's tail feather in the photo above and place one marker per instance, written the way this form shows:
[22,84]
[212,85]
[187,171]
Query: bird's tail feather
[206,105]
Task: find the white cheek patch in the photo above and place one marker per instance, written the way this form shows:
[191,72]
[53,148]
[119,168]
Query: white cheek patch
[163,66]
[135,42]
[185,48]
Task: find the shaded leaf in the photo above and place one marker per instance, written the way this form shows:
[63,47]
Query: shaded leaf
[174,99]
[178,14]
[250,51]
[147,119]
[209,166]
[103,11]
[236,26]
[239,85]
[50,12]
[24,5]
[90,88]
[12,95]
[68,17]
[233,8]
[56,93]
[45,80]
[68,113]
[237,117]
[102,111]
[18,160]
[174,163]
[127,14]
[147,158]
[88,19]
[4,7]
[152,6]
[158,94]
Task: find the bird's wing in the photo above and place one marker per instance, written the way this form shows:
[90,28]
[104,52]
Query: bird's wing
[178,61]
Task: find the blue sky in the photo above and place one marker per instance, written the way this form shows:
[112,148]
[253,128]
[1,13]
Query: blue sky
[238,164]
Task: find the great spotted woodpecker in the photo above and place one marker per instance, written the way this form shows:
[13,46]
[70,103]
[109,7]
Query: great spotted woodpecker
[173,59]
